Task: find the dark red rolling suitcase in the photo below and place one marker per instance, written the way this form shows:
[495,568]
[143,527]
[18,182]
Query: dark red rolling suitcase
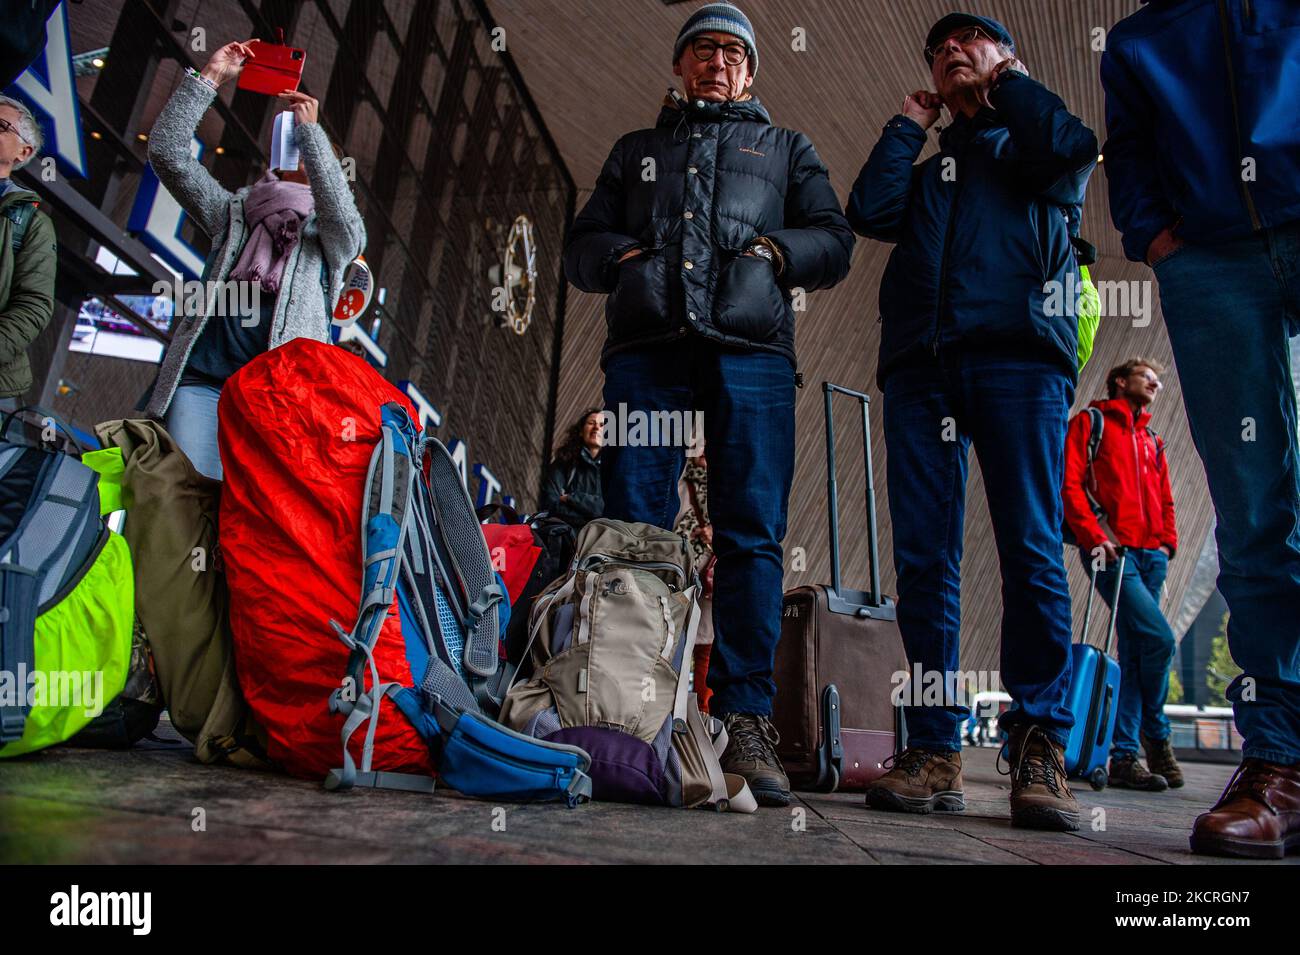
[836,662]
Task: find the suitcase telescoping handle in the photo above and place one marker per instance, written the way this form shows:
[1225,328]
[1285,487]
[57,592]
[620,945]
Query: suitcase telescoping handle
[871,604]
[1114,602]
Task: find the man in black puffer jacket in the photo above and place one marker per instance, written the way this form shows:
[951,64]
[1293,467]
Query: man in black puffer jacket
[703,231]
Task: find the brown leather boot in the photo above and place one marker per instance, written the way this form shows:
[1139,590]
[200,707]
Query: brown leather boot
[919,780]
[1257,817]
[1161,761]
[1040,796]
[1127,772]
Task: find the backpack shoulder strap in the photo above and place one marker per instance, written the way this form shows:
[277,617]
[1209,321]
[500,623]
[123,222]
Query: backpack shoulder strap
[20,214]
[1097,425]
[18,598]
[1159,443]
[385,513]
[459,528]
[728,791]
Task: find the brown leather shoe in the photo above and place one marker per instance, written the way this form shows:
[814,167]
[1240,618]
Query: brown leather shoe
[919,780]
[1161,761]
[1257,817]
[1040,796]
[1127,772]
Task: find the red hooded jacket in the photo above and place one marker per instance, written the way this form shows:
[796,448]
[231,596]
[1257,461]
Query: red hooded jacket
[1131,475]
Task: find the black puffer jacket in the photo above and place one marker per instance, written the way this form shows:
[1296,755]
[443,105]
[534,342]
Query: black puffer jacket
[579,482]
[694,193]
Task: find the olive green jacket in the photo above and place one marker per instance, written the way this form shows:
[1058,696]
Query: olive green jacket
[26,291]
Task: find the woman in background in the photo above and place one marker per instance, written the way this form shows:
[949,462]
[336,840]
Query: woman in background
[572,489]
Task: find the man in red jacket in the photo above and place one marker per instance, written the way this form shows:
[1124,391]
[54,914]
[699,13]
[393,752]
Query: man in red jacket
[1117,494]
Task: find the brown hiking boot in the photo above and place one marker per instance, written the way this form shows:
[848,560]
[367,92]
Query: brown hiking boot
[1160,759]
[919,780]
[751,753]
[1040,796]
[1127,772]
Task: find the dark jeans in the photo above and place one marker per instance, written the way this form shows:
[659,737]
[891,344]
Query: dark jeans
[1014,410]
[1144,646]
[747,404]
[1231,310]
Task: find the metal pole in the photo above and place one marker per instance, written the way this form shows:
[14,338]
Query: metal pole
[1114,606]
[832,496]
[1087,608]
[872,549]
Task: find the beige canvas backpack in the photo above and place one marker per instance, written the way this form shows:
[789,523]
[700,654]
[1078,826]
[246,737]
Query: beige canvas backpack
[611,646]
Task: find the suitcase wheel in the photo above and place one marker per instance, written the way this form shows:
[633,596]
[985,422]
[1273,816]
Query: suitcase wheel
[1098,778]
[832,782]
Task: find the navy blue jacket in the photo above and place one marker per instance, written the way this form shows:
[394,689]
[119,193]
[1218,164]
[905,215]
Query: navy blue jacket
[1193,88]
[694,193]
[981,227]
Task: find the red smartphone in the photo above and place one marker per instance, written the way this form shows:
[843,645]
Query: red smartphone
[274,68]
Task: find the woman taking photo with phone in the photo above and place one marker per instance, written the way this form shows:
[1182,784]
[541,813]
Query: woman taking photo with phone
[293,233]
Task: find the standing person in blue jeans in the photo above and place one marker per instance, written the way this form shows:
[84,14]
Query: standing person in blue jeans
[972,354]
[1203,162]
[698,230]
[1117,494]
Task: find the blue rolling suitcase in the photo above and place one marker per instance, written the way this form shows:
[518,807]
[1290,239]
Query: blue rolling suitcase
[1094,694]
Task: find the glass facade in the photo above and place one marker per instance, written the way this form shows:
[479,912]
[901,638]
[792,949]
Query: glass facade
[447,151]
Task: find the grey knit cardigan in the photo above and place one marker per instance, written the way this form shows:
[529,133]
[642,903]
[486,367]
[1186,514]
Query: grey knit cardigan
[333,233]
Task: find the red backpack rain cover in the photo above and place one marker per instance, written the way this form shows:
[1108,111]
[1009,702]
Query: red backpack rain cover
[296,428]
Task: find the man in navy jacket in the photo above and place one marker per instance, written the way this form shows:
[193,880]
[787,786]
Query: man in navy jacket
[1203,164]
[974,352]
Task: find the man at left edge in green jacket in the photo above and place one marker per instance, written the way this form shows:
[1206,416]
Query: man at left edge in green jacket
[28,252]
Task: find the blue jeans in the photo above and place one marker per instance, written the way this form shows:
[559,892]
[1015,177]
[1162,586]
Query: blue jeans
[747,403]
[1014,410]
[1144,646]
[1230,310]
[192,422]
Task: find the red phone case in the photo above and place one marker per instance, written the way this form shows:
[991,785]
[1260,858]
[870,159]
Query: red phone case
[273,68]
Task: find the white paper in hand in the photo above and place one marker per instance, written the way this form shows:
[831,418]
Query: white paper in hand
[284,147]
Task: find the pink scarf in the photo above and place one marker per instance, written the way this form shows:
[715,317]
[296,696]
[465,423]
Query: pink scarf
[273,214]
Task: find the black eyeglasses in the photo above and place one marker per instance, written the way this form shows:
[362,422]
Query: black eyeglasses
[733,54]
[8,127]
[965,37]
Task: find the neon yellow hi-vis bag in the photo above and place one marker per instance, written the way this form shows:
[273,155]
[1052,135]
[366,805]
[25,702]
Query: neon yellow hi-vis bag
[1089,316]
[67,597]
[82,652]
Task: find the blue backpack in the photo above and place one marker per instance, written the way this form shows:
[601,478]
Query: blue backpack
[424,546]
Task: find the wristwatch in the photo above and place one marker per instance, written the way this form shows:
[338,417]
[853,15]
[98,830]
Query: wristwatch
[762,250]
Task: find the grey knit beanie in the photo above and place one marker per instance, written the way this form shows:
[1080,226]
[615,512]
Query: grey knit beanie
[718,18]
